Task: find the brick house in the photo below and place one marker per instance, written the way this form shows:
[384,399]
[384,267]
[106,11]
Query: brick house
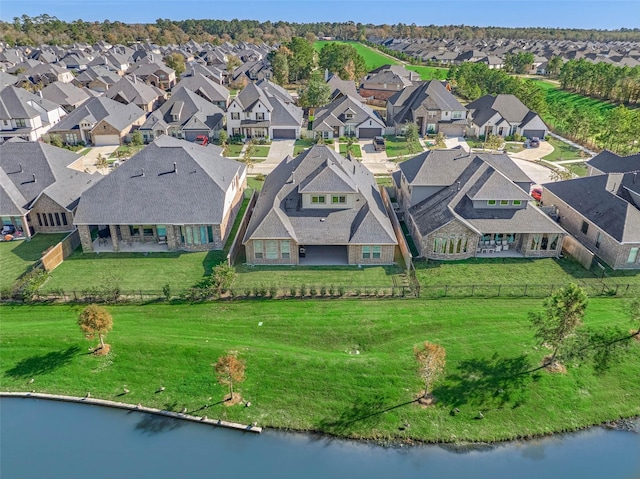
[460,205]
[39,189]
[347,116]
[504,115]
[319,208]
[173,193]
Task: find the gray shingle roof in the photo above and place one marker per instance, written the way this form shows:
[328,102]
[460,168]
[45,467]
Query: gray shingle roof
[608,162]
[147,190]
[333,114]
[189,109]
[202,85]
[134,91]
[278,213]
[22,161]
[64,93]
[97,109]
[508,106]
[432,94]
[14,103]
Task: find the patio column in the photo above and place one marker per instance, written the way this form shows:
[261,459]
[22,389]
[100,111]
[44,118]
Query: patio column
[85,238]
[25,226]
[114,237]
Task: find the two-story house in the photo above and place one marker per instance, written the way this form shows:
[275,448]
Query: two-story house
[203,86]
[320,208]
[460,205]
[155,74]
[256,114]
[347,116]
[131,90]
[431,106]
[25,115]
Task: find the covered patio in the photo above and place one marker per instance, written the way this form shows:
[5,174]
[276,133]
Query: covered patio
[105,245]
[320,255]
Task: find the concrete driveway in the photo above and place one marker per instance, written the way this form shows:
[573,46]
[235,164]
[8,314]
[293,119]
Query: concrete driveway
[536,171]
[89,160]
[534,154]
[457,141]
[278,151]
[376,161]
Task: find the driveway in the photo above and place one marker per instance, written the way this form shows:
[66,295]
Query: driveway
[376,161]
[278,151]
[457,141]
[536,171]
[89,160]
[534,154]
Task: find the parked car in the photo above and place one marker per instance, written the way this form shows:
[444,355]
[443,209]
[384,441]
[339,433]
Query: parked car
[534,142]
[379,144]
[536,193]
[202,140]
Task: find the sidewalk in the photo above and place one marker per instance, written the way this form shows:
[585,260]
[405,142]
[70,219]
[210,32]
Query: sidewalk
[575,145]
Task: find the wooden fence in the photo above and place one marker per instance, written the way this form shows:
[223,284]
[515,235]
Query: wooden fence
[236,246]
[581,253]
[402,241]
[58,253]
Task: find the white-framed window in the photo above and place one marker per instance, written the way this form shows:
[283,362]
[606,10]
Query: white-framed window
[633,255]
[457,115]
[376,251]
[491,202]
[504,202]
[21,122]
[285,249]
[598,239]
[257,249]
[517,202]
[366,252]
[338,199]
[260,116]
[317,199]
[272,249]
[235,115]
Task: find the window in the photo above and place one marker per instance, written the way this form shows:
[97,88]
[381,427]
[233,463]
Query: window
[257,249]
[376,250]
[317,199]
[491,202]
[585,227]
[134,230]
[457,115]
[338,199]
[40,219]
[517,202]
[161,230]
[437,245]
[325,135]
[272,249]
[284,249]
[210,232]
[57,215]
[554,242]
[504,202]
[366,252]
[20,122]
[260,116]
[235,115]
[235,132]
[51,219]
[44,218]
[147,231]
[598,239]
[535,243]
[633,255]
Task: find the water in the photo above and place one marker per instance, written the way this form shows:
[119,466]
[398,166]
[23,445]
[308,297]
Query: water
[50,440]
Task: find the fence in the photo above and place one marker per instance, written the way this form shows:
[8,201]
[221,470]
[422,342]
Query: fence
[402,242]
[581,253]
[236,246]
[58,253]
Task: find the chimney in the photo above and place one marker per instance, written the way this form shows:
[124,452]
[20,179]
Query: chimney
[175,169]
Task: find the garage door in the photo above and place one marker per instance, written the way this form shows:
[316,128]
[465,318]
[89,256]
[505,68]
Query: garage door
[370,132]
[532,133]
[452,130]
[284,134]
[106,140]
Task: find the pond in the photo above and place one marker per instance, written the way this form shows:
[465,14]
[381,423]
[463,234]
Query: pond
[48,439]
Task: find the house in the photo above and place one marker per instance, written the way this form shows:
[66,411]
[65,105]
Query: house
[492,61]
[602,211]
[347,116]
[431,106]
[386,80]
[39,189]
[99,121]
[98,78]
[172,196]
[184,115]
[252,71]
[608,162]
[340,88]
[460,205]
[46,73]
[126,91]
[504,115]
[155,74]
[256,114]
[319,208]
[25,115]
[207,89]
[66,95]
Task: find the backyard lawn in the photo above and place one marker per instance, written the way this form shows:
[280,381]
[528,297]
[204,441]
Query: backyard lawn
[355,150]
[17,256]
[300,145]
[126,151]
[429,73]
[398,146]
[562,151]
[328,366]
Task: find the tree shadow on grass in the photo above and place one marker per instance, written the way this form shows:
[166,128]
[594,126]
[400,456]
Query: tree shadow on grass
[365,413]
[44,364]
[492,382]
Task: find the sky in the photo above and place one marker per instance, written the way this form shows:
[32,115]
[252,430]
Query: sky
[603,14]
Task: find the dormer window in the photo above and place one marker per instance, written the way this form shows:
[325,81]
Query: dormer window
[338,199]
[348,115]
[491,202]
[20,122]
[504,202]
[317,199]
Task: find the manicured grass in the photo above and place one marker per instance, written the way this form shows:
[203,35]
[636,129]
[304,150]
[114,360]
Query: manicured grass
[397,146]
[18,256]
[355,150]
[341,367]
[562,151]
[579,169]
[384,180]
[511,147]
[234,150]
[285,277]
[429,73]
[372,58]
[300,145]
[261,152]
[84,151]
[126,150]
[254,183]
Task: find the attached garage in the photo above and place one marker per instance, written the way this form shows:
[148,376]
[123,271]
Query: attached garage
[106,140]
[284,133]
[451,130]
[367,133]
[532,133]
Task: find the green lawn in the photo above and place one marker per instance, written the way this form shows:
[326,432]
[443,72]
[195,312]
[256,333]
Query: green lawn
[300,145]
[261,152]
[355,150]
[341,367]
[16,257]
[512,147]
[254,184]
[397,146]
[429,73]
[562,151]
[578,169]
[126,151]
[234,150]
[384,180]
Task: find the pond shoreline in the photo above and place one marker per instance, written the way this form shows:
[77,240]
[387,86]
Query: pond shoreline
[629,424]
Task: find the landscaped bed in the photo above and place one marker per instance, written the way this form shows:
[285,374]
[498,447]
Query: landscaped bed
[340,367]
[355,150]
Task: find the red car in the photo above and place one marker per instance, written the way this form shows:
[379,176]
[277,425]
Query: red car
[202,140]
[536,193]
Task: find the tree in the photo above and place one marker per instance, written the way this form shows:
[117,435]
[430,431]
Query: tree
[440,143]
[249,151]
[233,62]
[315,94]
[229,370]
[431,361]
[493,142]
[176,62]
[223,137]
[55,140]
[302,60]
[411,132]
[222,277]
[553,67]
[95,320]
[280,65]
[136,138]
[101,162]
[344,60]
[563,315]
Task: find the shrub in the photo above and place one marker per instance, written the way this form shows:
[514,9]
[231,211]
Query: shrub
[166,291]
[341,290]
[260,177]
[332,290]
[292,291]
[323,290]
[303,290]
[273,291]
[313,291]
